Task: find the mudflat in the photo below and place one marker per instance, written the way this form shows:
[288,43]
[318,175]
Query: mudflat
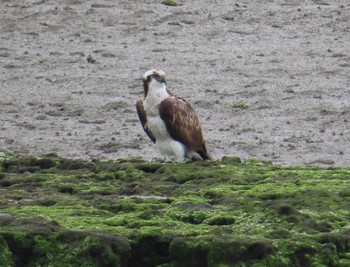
[269,79]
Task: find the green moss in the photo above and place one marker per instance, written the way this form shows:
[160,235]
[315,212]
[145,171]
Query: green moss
[221,220]
[212,213]
[27,164]
[231,160]
[240,105]
[169,3]
[4,155]
[6,258]
[91,59]
[61,248]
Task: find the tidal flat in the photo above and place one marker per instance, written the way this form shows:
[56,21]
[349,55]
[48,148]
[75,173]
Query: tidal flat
[64,212]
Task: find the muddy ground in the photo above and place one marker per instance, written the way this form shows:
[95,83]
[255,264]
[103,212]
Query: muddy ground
[70,74]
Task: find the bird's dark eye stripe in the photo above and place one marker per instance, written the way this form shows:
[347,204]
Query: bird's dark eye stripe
[153,76]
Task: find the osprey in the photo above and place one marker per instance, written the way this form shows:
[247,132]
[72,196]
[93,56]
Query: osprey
[169,121]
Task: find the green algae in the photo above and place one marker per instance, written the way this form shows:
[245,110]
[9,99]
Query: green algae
[212,213]
[170,3]
[6,258]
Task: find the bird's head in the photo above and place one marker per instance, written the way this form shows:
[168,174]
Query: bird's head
[153,78]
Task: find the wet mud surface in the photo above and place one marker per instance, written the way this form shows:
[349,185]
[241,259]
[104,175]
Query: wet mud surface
[71,74]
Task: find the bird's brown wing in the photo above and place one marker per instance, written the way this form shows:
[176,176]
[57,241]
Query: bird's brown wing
[143,119]
[183,124]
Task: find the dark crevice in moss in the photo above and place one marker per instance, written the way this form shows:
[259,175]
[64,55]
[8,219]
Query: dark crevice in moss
[148,167]
[150,251]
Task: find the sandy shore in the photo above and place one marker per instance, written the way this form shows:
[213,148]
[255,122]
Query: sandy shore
[71,74]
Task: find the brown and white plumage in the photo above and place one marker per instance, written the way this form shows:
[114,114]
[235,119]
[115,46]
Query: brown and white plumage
[169,121]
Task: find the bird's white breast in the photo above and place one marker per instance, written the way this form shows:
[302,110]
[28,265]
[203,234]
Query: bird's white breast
[156,94]
[157,126]
[169,148]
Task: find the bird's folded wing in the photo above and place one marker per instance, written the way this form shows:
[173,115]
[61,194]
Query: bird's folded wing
[143,119]
[182,122]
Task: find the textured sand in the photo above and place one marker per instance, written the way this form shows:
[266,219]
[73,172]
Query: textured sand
[288,60]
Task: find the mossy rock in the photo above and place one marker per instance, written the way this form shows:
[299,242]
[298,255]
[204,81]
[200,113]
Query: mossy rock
[6,258]
[231,160]
[24,244]
[221,220]
[208,213]
[27,164]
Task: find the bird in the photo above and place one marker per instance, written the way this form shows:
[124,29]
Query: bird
[170,121]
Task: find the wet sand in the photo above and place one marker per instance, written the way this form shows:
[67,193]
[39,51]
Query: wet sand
[71,74]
